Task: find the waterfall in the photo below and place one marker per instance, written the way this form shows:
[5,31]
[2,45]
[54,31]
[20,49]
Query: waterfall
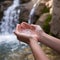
[10,18]
[33,11]
[8,24]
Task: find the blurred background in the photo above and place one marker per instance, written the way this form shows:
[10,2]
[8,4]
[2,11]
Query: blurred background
[45,13]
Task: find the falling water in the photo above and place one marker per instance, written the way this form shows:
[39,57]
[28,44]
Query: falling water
[10,18]
[33,11]
[8,23]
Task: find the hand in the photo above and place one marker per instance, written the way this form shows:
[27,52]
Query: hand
[26,32]
[38,30]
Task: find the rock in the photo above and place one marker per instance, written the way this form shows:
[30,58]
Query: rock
[24,15]
[49,4]
[28,5]
[24,1]
[2,1]
[3,6]
[25,11]
[42,19]
[21,55]
[1,15]
[39,9]
[55,22]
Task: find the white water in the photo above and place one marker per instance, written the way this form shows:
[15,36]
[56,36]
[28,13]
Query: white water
[8,24]
[10,18]
[33,11]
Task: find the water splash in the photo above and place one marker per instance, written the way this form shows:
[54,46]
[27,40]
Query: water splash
[10,18]
[33,11]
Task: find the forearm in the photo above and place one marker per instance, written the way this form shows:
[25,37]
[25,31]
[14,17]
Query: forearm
[37,51]
[50,41]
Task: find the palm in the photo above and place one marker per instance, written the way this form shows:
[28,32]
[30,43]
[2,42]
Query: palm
[25,32]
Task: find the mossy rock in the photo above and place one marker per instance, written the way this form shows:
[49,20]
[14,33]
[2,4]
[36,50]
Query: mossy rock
[46,26]
[45,10]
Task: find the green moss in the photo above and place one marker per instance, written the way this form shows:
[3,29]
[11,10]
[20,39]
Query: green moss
[46,25]
[45,10]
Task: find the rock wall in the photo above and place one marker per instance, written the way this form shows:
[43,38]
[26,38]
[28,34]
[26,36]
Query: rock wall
[55,23]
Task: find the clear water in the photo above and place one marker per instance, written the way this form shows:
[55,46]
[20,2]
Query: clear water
[33,11]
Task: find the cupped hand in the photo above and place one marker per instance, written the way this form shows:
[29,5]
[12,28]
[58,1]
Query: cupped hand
[25,32]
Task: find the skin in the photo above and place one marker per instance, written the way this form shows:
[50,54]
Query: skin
[31,39]
[37,50]
[48,40]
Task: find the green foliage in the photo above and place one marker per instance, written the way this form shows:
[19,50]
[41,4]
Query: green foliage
[46,26]
[45,10]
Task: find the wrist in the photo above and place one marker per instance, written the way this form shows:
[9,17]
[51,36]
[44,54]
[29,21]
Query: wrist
[32,41]
[41,35]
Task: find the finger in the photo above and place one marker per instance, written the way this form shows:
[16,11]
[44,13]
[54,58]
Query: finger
[29,26]
[17,27]
[33,25]
[17,34]
[25,25]
[37,27]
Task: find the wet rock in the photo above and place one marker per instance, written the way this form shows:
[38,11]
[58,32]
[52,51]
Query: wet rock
[49,4]
[39,9]
[1,13]
[51,54]
[24,1]
[3,6]
[25,11]
[42,19]
[24,14]
[25,54]
[55,22]
[2,1]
